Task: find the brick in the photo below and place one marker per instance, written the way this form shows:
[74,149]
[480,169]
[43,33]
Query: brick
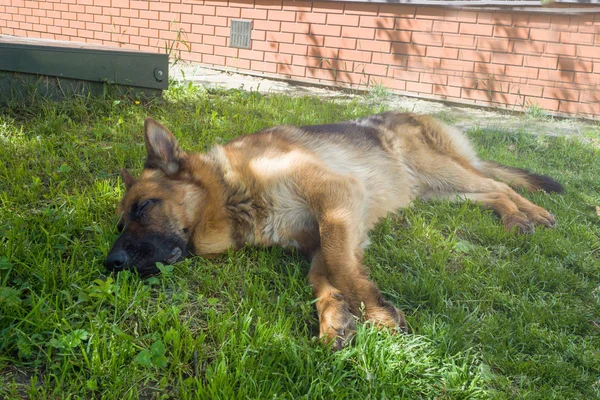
[263,66]
[251,13]
[576,38]
[278,58]
[214,40]
[445,26]
[376,22]
[342,19]
[541,62]
[342,43]
[392,10]
[572,64]
[508,59]
[376,69]
[139,5]
[442,52]
[274,26]
[265,46]
[355,55]
[427,38]
[324,52]
[158,6]
[232,12]
[410,49]
[544,35]
[326,30]
[374,45]
[212,59]
[556,76]
[178,8]
[422,25]
[149,33]
[474,55]
[495,44]
[522,72]
[258,35]
[310,17]
[148,15]
[426,63]
[313,40]
[461,41]
[291,70]
[476,29]
[405,75]
[307,61]
[561,49]
[268,4]
[396,60]
[360,9]
[495,18]
[590,109]
[539,21]
[393,36]
[561,94]
[203,48]
[581,78]
[360,33]
[296,5]
[476,94]
[447,91]
[529,47]
[295,27]
[293,49]
[276,15]
[562,23]
[590,96]
[280,37]
[439,79]
[511,32]
[490,69]
[546,104]
[419,87]
[159,25]
[588,52]
[232,3]
[394,84]
[251,54]
[237,63]
[215,21]
[204,10]
[203,29]
[457,65]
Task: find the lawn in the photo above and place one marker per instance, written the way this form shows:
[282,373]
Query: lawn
[494,315]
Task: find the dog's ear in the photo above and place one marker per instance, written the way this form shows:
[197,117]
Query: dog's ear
[128,180]
[162,149]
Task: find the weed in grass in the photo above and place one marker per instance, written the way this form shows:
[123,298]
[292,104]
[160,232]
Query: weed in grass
[535,111]
[494,315]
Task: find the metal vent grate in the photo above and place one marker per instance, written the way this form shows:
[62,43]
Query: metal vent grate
[239,36]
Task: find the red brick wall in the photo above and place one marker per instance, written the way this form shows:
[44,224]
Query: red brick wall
[506,59]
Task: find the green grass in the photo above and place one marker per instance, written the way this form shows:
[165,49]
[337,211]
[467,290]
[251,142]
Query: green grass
[494,315]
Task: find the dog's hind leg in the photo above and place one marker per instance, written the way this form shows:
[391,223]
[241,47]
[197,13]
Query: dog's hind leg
[514,210]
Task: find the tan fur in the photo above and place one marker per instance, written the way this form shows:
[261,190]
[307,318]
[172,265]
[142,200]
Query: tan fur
[320,190]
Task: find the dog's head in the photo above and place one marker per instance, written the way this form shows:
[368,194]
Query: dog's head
[158,209]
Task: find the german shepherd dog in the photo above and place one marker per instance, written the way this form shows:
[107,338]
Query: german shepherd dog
[319,189]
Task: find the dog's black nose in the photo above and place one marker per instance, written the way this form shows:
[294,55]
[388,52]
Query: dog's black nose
[116,260]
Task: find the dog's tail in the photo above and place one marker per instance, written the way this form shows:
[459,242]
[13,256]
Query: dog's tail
[517,177]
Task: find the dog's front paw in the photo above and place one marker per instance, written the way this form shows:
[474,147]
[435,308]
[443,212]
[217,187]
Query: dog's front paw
[387,316]
[337,324]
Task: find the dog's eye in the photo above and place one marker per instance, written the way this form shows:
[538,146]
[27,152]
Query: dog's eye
[140,209]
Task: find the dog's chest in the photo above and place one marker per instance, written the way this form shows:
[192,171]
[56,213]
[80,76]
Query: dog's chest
[287,219]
